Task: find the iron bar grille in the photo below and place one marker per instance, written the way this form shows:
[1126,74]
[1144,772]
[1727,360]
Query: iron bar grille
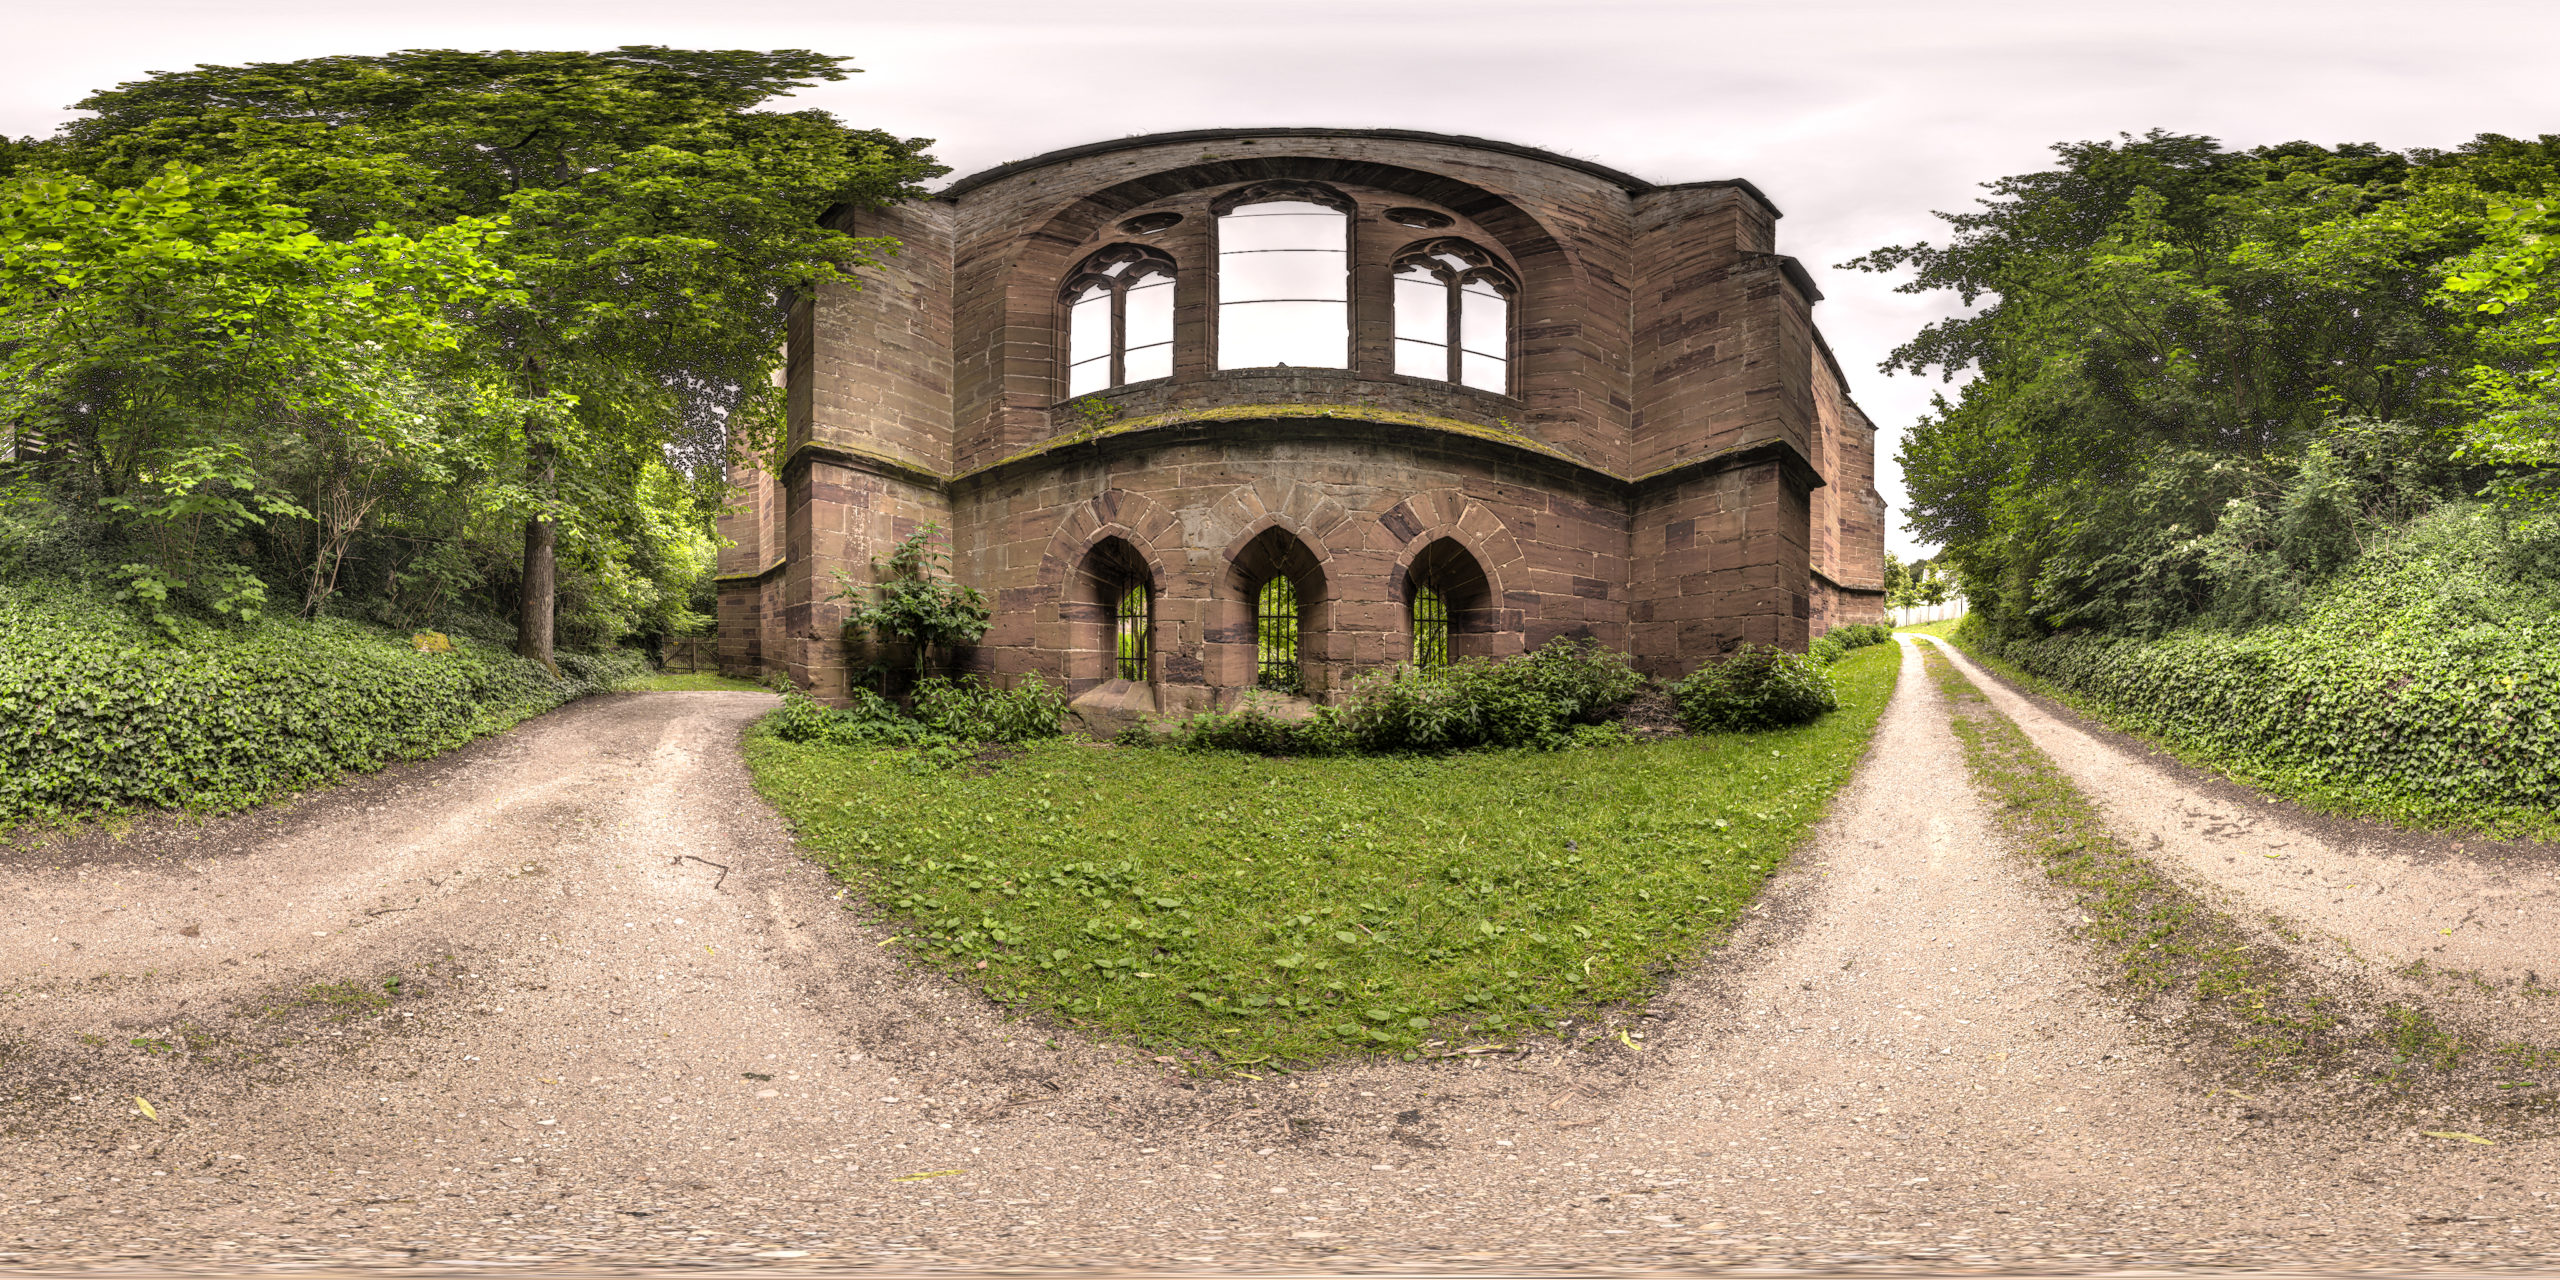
[1430,628]
[1275,635]
[1129,619]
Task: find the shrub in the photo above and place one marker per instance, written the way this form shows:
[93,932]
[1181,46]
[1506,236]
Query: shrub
[869,722]
[1253,728]
[913,598]
[1464,704]
[1587,677]
[1835,644]
[1754,687]
[2423,680]
[1533,701]
[100,713]
[1858,635]
[972,710]
[949,714]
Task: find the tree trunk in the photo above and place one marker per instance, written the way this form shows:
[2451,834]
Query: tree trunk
[540,588]
[541,584]
[533,618]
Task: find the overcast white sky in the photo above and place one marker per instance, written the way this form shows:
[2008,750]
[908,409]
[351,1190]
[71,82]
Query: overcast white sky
[1857,118]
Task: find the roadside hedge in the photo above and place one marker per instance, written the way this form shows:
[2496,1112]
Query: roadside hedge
[100,714]
[1835,644]
[2423,683]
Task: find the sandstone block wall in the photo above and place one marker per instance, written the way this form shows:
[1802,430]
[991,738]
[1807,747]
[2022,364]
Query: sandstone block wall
[1674,468]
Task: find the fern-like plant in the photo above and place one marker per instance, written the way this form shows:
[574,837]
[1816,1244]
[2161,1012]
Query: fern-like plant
[913,599]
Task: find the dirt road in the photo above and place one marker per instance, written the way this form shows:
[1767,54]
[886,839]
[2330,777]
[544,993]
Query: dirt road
[631,1025]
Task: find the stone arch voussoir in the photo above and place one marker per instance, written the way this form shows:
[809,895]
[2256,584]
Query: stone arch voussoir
[1122,513]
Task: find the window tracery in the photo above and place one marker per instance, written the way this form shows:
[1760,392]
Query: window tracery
[1284,277]
[1453,315]
[1119,319]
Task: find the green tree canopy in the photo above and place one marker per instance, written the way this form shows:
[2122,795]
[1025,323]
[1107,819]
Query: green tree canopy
[153,335]
[657,221]
[2198,371]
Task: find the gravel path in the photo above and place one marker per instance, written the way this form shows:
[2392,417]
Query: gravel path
[2356,893]
[633,1026]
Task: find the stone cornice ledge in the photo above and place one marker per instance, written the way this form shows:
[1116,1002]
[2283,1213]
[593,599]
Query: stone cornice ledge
[1838,585]
[1796,465]
[757,576]
[878,464]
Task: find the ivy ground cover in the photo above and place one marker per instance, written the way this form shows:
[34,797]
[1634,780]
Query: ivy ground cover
[2420,685]
[1245,910]
[102,713]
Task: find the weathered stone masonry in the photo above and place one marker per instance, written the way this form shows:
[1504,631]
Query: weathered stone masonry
[1675,468]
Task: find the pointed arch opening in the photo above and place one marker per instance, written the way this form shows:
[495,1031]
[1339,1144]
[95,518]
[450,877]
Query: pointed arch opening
[1113,613]
[1448,605]
[1282,586]
[1453,314]
[1119,320]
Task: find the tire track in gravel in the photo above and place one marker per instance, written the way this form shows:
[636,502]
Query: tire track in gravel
[633,1055]
[2360,902]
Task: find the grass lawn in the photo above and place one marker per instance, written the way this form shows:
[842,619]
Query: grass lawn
[695,682]
[1251,910]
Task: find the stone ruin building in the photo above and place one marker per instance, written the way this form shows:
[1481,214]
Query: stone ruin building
[1209,410]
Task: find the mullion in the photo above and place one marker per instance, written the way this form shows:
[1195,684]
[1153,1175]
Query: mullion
[1450,330]
[1119,333]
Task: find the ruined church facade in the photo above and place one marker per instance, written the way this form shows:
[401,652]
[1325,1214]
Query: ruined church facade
[1207,411]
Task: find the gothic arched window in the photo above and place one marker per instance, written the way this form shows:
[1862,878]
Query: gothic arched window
[1453,315]
[1119,319]
[1284,277]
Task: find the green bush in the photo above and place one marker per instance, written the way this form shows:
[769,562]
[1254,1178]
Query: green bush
[1254,729]
[948,713]
[101,713]
[1836,643]
[871,721]
[1534,701]
[972,710]
[1754,687]
[1587,677]
[2422,681]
